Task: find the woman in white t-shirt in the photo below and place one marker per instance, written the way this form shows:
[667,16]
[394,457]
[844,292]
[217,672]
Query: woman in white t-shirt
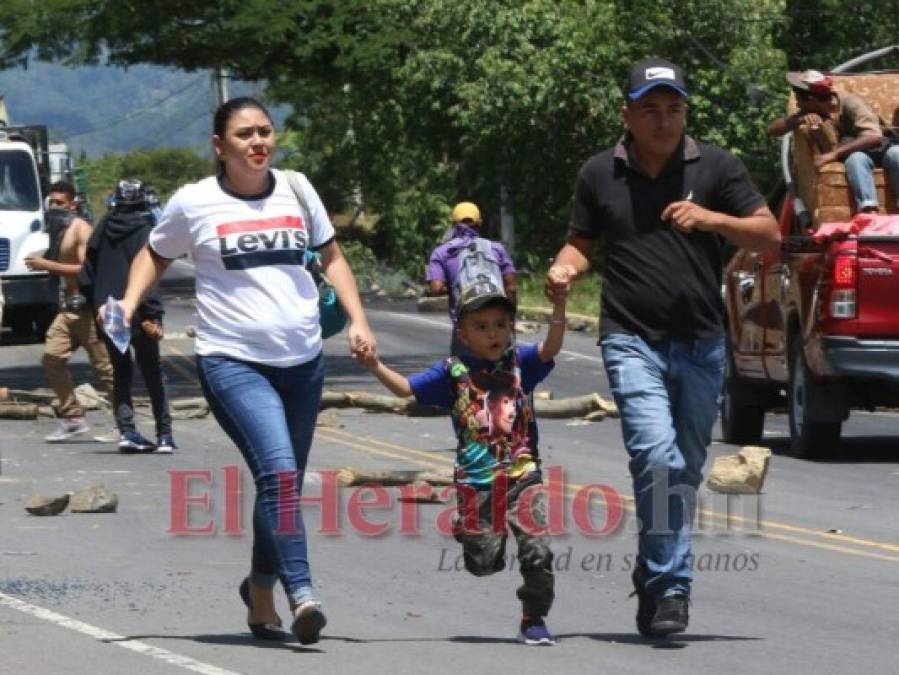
[258,342]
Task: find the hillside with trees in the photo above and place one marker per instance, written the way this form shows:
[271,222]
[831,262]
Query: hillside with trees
[402,106]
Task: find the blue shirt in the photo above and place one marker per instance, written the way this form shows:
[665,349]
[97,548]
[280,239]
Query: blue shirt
[492,411]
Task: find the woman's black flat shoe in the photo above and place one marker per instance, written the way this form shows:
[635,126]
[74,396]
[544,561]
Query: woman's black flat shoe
[261,631]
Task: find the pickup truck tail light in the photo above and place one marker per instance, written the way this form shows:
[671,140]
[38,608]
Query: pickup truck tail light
[844,287]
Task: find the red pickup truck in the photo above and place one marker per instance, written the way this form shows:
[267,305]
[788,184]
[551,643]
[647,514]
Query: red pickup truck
[815,326]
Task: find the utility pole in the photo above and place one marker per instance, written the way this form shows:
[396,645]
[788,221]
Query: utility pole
[220,78]
[506,221]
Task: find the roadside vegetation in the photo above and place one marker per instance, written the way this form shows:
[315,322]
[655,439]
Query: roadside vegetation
[583,300]
[402,107]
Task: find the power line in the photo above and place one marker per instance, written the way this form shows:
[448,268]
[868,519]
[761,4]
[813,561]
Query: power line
[184,127]
[104,125]
[755,91]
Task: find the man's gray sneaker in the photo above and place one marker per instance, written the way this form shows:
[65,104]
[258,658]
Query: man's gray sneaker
[69,427]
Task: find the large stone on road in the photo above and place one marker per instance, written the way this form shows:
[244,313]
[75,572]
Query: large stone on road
[38,505]
[96,499]
[743,473]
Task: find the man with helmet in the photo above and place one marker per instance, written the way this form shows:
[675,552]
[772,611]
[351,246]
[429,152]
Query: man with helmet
[116,240]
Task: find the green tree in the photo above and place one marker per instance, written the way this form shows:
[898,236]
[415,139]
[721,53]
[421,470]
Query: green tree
[165,169]
[403,106]
[821,34]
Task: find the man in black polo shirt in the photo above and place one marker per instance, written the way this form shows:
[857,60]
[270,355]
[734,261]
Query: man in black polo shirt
[663,204]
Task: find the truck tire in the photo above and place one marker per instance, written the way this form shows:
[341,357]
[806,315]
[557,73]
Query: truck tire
[810,439]
[742,417]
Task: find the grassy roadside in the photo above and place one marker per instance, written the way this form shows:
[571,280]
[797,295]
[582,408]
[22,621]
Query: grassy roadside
[583,300]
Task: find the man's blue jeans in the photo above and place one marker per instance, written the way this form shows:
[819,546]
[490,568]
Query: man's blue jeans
[860,174]
[270,413]
[667,394]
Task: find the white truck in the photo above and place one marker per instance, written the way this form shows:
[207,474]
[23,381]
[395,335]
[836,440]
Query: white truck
[31,298]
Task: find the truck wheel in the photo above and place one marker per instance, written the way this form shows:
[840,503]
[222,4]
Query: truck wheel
[810,439]
[742,418]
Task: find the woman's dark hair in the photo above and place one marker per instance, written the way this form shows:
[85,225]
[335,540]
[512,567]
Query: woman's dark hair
[228,108]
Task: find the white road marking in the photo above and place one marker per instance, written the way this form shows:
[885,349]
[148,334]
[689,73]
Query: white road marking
[111,471]
[108,637]
[446,324]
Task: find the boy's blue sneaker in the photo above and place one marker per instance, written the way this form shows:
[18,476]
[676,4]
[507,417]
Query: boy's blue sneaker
[132,441]
[165,444]
[534,632]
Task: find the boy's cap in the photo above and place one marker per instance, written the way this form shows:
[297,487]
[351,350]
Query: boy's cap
[466,211]
[479,295]
[812,81]
[651,73]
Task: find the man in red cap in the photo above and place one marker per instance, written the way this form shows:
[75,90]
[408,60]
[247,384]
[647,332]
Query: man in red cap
[860,145]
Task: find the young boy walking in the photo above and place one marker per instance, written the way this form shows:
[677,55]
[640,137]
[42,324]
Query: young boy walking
[488,390]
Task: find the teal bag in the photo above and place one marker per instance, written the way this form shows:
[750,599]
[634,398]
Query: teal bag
[330,312]
[331,316]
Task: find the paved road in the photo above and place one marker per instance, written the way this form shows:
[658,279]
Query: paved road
[800,580]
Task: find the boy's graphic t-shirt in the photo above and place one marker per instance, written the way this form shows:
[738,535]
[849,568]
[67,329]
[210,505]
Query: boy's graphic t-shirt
[492,412]
[255,299]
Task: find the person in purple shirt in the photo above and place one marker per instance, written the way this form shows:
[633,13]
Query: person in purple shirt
[444,266]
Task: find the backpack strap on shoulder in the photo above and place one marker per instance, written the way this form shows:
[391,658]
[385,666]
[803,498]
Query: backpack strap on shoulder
[296,186]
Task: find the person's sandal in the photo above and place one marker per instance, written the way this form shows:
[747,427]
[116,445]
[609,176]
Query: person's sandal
[308,622]
[262,630]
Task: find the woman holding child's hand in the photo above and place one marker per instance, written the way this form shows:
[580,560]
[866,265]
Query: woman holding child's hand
[259,346]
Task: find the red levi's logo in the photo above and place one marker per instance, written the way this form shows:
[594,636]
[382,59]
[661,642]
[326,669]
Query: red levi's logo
[257,243]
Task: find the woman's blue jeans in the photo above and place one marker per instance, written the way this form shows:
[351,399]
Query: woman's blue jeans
[270,413]
[667,395]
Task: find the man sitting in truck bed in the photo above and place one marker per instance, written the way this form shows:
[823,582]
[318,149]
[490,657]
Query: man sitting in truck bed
[861,144]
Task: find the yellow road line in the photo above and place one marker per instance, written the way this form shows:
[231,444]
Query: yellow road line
[328,434]
[830,547]
[414,455]
[573,488]
[428,456]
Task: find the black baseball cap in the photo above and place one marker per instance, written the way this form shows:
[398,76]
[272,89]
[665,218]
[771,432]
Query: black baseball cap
[481,294]
[651,73]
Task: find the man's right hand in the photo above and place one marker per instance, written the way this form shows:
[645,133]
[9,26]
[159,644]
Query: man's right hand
[36,263]
[559,280]
[811,120]
[127,312]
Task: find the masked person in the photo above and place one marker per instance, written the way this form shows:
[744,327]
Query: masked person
[74,325]
[117,239]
